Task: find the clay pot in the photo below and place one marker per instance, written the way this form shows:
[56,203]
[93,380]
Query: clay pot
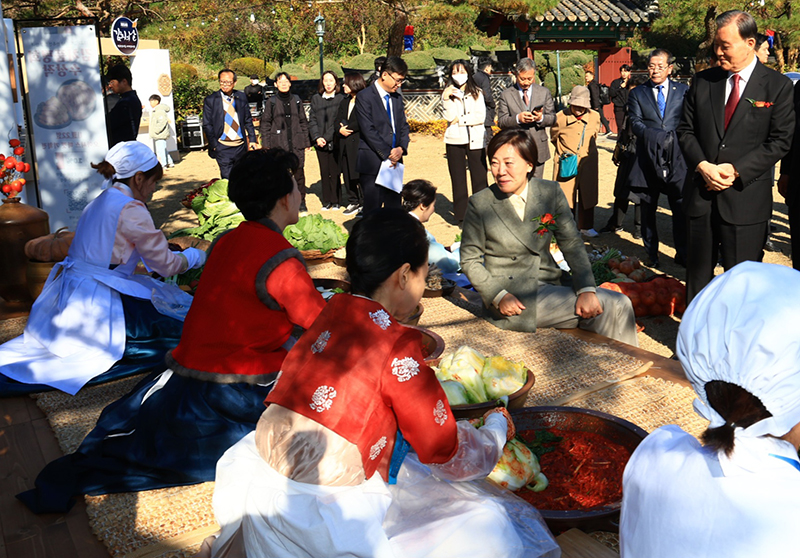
[19,223]
[36,275]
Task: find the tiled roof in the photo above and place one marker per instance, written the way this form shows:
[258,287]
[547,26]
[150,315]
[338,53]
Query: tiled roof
[607,11]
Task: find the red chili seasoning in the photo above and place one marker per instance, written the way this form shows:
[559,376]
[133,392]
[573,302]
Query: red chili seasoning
[584,470]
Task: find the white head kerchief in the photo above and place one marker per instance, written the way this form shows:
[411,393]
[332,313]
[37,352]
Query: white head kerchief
[128,158]
[742,329]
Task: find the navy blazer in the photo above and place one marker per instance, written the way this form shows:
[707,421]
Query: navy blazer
[643,109]
[214,118]
[376,129]
[758,136]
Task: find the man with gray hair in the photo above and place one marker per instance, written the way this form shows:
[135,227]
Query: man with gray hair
[528,106]
[738,121]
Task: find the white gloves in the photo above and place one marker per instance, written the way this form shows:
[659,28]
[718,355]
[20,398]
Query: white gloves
[194,257]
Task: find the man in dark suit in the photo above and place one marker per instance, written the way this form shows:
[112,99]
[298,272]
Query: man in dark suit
[226,120]
[738,122]
[124,116]
[384,132]
[528,106]
[655,109]
[481,78]
[789,183]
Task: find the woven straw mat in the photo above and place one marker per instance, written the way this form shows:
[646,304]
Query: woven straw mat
[561,362]
[170,522]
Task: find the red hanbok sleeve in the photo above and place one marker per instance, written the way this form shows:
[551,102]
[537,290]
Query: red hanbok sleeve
[423,414]
[291,286]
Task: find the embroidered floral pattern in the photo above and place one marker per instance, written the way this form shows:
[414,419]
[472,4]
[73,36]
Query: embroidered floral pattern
[376,449]
[321,342]
[381,319]
[322,398]
[439,413]
[405,368]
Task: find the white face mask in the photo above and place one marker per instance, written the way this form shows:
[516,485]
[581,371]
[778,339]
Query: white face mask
[460,79]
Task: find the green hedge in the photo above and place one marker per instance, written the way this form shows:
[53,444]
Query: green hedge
[364,61]
[445,53]
[180,70]
[246,67]
[419,60]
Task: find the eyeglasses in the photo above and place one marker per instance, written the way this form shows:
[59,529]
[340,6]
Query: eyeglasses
[400,81]
[226,82]
[659,68]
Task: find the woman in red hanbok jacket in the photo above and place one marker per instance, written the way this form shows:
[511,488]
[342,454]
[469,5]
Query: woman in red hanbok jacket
[174,426]
[353,393]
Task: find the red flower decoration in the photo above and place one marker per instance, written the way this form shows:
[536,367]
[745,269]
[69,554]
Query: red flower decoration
[547,224]
[759,104]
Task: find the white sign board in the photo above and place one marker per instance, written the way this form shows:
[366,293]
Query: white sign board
[68,121]
[152,76]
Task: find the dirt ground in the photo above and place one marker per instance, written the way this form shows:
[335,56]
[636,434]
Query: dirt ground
[426,160]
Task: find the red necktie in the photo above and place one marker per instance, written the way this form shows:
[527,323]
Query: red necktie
[733,100]
[525,97]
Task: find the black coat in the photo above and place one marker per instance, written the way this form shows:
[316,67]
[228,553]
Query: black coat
[274,126]
[483,81]
[347,147]
[322,122]
[618,94]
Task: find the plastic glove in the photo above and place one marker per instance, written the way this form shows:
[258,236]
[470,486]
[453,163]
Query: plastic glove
[479,450]
[512,430]
[195,257]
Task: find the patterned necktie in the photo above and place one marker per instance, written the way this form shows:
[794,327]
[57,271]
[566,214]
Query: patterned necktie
[525,97]
[230,131]
[662,102]
[733,100]
[389,112]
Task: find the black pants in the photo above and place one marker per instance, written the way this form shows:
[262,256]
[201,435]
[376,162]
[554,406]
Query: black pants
[376,196]
[709,237]
[457,158]
[793,203]
[619,118]
[329,175]
[603,119]
[621,209]
[228,156]
[650,231]
[300,174]
[351,183]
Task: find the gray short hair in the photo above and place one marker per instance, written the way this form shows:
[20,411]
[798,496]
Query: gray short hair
[747,26]
[661,52]
[524,65]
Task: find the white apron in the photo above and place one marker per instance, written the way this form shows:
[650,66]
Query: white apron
[76,328]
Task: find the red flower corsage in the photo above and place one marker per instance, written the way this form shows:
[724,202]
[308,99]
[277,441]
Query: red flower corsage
[759,104]
[547,223]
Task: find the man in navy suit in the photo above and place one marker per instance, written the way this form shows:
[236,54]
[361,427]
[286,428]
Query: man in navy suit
[384,132]
[655,109]
[226,120]
[738,122]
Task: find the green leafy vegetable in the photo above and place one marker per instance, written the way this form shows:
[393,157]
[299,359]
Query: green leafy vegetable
[313,232]
[543,442]
[216,213]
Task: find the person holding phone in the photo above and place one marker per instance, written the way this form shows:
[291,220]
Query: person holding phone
[465,112]
[528,106]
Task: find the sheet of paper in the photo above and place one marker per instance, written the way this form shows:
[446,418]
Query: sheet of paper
[390,177]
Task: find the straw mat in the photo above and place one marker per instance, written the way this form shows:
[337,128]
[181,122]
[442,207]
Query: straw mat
[170,522]
[647,402]
[562,363]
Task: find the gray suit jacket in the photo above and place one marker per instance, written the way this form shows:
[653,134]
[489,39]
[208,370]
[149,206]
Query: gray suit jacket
[498,251]
[509,105]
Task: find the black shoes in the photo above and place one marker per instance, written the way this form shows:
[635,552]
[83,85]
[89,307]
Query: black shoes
[637,232]
[610,227]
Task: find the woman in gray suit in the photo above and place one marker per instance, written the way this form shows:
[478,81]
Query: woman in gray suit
[505,252]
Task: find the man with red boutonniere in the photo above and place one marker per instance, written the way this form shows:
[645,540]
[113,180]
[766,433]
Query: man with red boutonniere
[505,252]
[738,122]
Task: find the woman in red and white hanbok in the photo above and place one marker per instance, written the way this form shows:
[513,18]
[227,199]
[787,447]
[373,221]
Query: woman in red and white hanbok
[313,479]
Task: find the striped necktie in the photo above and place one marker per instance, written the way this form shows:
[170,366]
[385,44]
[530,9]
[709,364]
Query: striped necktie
[231,131]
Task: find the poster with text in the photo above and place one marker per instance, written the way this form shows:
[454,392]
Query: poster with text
[68,122]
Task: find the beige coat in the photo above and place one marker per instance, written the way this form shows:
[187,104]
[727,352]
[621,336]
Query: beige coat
[566,135]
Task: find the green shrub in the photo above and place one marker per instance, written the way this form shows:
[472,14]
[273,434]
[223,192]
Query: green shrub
[364,61]
[188,95]
[419,60]
[570,77]
[446,53]
[248,66]
[180,70]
